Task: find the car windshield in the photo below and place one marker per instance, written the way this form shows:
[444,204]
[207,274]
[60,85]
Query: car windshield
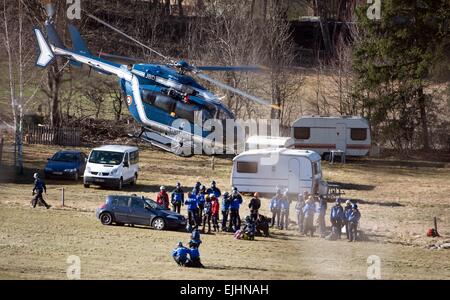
[65,156]
[154,205]
[106,157]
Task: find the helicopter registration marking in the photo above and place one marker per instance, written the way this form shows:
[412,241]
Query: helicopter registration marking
[129,100]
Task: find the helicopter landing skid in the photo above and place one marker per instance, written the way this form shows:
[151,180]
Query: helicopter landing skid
[167,143]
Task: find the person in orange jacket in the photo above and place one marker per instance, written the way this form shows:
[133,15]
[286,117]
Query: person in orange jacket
[163,198]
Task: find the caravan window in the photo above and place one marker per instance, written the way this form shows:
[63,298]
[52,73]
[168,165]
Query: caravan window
[247,167]
[302,133]
[359,134]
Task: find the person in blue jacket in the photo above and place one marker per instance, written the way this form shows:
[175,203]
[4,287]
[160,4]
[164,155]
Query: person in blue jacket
[274,207]
[194,258]
[192,207]
[195,238]
[353,221]
[225,208]
[322,210]
[347,211]
[337,218]
[180,254]
[38,190]
[285,204]
[177,198]
[196,188]
[309,210]
[214,190]
[301,200]
[236,201]
[201,199]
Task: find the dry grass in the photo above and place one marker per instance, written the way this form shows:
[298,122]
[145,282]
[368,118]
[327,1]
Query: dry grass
[397,204]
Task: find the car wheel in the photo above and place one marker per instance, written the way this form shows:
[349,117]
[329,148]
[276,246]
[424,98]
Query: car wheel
[159,224]
[134,180]
[87,185]
[106,218]
[120,185]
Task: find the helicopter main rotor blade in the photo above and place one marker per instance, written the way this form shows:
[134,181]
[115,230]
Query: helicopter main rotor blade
[236,91]
[231,68]
[127,36]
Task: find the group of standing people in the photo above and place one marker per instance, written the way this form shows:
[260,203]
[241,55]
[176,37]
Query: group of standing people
[279,206]
[340,217]
[203,206]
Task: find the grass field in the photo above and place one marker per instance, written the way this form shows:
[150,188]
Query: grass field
[397,204]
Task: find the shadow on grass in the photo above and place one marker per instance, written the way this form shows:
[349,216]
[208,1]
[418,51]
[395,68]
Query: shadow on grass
[352,186]
[222,267]
[379,203]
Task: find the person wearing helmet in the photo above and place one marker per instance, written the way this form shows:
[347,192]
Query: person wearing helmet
[254,205]
[226,202]
[180,254]
[337,218]
[274,207]
[353,221]
[285,204]
[301,200]
[38,190]
[163,198]
[207,213]
[215,208]
[196,188]
[236,201]
[347,212]
[192,208]
[214,190]
[201,198]
[177,198]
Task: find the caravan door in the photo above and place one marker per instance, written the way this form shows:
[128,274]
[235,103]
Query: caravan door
[341,137]
[294,176]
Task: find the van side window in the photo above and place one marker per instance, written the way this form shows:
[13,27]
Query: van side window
[126,159]
[302,133]
[247,167]
[358,134]
[134,157]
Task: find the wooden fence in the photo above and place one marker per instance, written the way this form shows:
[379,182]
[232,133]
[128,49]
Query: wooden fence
[53,136]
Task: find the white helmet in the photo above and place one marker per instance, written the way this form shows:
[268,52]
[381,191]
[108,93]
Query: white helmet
[162,188]
[36,175]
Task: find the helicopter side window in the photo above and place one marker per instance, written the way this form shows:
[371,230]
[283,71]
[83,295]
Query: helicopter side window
[185,111]
[148,97]
[167,104]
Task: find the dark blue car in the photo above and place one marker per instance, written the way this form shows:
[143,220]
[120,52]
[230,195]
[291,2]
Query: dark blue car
[66,164]
[134,210]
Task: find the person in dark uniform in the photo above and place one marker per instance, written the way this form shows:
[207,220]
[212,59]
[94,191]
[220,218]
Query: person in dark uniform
[38,190]
[254,205]
[177,198]
[226,202]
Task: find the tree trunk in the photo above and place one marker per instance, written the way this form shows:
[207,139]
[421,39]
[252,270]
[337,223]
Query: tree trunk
[424,119]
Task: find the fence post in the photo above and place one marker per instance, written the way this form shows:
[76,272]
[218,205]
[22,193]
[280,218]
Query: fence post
[62,196]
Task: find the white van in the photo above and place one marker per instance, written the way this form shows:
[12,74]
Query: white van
[112,165]
[350,135]
[288,169]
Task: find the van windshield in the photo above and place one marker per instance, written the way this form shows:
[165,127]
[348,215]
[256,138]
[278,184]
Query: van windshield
[106,157]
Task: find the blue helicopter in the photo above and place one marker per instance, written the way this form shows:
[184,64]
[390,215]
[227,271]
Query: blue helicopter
[170,105]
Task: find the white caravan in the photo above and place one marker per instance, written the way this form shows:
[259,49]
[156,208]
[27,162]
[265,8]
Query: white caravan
[323,134]
[112,165]
[264,142]
[266,170]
